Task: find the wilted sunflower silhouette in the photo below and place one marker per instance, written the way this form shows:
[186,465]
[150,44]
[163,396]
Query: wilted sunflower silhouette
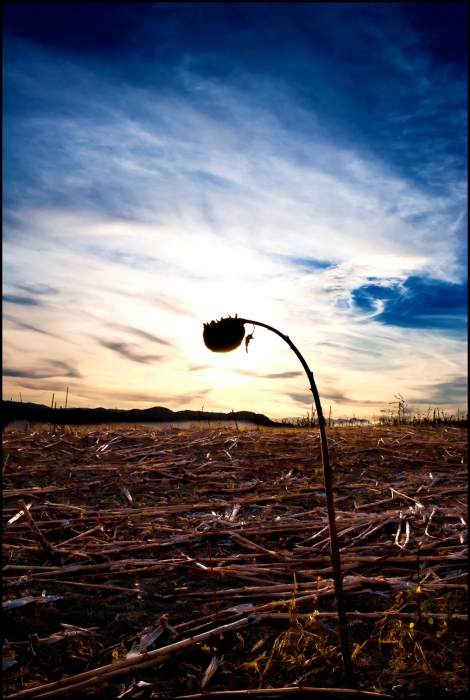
[224,335]
[227,335]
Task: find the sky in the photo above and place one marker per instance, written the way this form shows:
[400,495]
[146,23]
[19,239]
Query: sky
[299,164]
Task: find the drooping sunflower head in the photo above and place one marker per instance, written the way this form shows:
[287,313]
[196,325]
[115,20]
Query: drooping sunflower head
[224,335]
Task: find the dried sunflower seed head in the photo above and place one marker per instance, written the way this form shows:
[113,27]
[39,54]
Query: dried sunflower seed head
[224,335]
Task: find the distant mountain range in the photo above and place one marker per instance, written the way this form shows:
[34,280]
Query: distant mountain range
[38,413]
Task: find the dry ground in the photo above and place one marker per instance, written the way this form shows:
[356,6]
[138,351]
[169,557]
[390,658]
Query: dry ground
[143,539]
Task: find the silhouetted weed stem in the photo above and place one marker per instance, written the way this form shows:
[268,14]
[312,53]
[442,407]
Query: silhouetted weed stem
[226,335]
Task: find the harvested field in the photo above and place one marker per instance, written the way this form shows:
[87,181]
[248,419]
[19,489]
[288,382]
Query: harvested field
[197,559]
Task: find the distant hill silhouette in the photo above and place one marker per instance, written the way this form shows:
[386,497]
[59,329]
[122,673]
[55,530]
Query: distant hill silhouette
[38,413]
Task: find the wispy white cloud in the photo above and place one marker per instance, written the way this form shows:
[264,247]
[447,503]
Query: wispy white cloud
[145,212]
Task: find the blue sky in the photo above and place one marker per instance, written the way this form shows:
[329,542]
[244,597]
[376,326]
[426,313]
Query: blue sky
[301,164]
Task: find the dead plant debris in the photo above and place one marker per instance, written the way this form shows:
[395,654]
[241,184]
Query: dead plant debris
[197,559]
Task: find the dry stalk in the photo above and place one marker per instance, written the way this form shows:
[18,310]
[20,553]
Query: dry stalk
[127,665]
[42,541]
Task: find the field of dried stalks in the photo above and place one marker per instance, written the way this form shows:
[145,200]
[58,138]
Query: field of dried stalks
[197,560]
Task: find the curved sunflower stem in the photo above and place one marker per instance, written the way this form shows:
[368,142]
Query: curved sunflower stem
[334,545]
